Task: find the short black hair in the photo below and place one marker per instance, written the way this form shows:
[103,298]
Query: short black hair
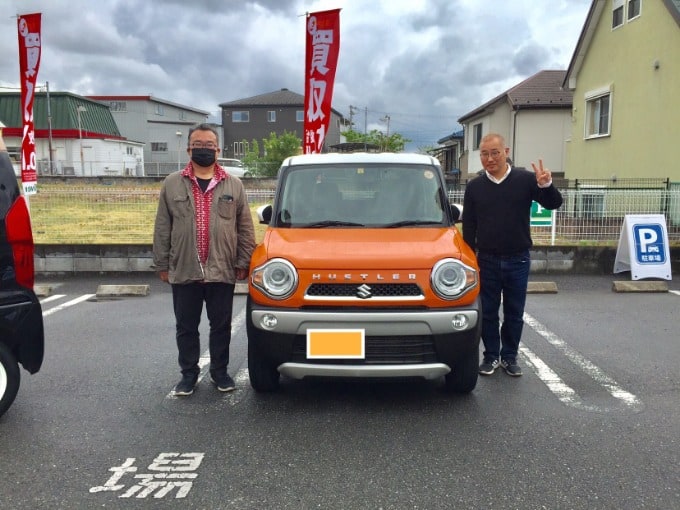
[204,126]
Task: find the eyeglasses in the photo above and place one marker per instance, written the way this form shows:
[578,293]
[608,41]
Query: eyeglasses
[494,154]
[203,145]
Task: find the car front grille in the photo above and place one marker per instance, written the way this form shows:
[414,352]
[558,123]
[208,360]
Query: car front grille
[379,350]
[352,290]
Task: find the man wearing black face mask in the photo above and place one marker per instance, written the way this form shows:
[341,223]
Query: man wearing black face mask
[203,240]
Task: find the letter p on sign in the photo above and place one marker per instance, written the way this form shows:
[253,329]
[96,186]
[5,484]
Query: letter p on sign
[649,244]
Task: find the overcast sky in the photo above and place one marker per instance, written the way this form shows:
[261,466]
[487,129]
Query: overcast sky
[423,63]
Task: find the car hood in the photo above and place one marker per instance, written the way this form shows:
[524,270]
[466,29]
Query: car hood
[397,248]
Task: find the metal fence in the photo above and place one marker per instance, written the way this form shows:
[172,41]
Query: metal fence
[595,215]
[116,215]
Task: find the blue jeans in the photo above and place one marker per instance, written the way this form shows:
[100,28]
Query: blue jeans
[505,277]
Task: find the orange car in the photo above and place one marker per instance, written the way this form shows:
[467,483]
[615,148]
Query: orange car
[362,273]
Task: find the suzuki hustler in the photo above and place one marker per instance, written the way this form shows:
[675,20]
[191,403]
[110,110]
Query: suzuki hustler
[362,273]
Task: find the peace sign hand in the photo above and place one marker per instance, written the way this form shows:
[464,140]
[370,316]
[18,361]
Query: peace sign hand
[543,176]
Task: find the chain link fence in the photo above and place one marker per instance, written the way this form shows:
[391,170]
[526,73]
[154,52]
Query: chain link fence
[100,214]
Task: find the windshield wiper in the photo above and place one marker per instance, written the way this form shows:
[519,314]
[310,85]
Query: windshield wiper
[411,223]
[331,223]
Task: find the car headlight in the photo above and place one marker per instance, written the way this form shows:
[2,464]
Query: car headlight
[451,278]
[277,278]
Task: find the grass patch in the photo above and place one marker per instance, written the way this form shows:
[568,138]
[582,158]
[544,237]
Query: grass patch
[100,214]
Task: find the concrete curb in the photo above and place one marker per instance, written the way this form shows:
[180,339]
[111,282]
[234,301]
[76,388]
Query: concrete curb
[42,290]
[542,288]
[640,286]
[122,290]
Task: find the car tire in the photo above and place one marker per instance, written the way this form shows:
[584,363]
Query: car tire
[10,377]
[264,377]
[464,374]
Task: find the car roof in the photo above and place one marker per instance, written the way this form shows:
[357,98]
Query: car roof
[361,157]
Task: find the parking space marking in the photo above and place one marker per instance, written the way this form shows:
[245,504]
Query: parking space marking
[241,378]
[597,374]
[75,301]
[562,391]
[53,297]
[676,292]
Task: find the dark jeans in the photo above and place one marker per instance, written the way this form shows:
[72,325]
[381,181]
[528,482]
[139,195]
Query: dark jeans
[505,277]
[187,300]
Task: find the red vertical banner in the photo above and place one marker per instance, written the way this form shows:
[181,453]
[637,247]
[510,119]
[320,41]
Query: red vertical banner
[29,62]
[321,52]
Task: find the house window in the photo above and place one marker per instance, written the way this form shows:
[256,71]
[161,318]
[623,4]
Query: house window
[299,116]
[598,115]
[617,13]
[182,115]
[271,116]
[118,106]
[159,109]
[14,153]
[476,136]
[159,147]
[633,8]
[240,117]
[129,151]
[240,148]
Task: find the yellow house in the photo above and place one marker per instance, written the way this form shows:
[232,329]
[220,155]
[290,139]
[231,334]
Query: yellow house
[625,78]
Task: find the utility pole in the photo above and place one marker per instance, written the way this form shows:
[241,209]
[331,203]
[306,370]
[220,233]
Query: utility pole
[80,110]
[386,118]
[49,129]
[352,111]
[365,128]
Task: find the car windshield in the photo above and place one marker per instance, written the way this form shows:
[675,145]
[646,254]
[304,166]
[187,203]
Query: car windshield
[361,196]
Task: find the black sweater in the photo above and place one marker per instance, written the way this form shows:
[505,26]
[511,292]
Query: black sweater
[496,216]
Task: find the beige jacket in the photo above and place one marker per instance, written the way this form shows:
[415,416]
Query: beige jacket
[232,235]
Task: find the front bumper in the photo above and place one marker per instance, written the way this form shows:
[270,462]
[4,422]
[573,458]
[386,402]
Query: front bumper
[375,323]
[302,370]
[398,343]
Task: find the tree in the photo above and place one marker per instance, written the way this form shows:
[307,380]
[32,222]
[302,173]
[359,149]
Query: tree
[276,149]
[392,143]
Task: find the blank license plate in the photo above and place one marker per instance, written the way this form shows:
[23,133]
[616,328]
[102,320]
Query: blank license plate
[335,343]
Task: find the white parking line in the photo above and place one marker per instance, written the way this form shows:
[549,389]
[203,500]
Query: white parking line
[75,301]
[562,391]
[599,376]
[53,297]
[241,377]
[676,292]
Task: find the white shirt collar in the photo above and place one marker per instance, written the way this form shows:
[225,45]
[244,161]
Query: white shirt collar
[505,175]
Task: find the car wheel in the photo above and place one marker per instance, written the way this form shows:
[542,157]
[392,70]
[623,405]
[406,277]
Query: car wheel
[264,377]
[464,373]
[9,378]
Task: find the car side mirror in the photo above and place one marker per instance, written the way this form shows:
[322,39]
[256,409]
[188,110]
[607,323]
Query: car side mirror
[456,212]
[264,214]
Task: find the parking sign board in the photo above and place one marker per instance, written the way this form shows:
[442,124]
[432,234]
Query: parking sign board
[643,247]
[540,216]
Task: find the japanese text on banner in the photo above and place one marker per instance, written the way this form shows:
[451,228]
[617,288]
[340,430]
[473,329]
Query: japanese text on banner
[322,49]
[28,26]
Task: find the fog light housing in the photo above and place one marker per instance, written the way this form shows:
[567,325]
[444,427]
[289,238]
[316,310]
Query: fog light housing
[269,321]
[460,322]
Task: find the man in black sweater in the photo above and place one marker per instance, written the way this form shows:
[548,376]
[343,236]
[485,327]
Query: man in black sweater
[496,210]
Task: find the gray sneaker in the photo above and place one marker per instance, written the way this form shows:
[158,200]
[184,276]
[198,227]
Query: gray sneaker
[511,367]
[489,366]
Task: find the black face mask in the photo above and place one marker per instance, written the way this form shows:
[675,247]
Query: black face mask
[203,157]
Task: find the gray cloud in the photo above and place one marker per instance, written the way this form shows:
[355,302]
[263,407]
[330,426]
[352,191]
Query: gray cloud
[423,64]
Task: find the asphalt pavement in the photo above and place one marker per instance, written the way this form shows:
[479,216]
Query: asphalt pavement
[593,423]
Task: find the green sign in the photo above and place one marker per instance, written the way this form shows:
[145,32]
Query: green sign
[540,217]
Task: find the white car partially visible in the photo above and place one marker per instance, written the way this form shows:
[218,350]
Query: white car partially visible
[233,167]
